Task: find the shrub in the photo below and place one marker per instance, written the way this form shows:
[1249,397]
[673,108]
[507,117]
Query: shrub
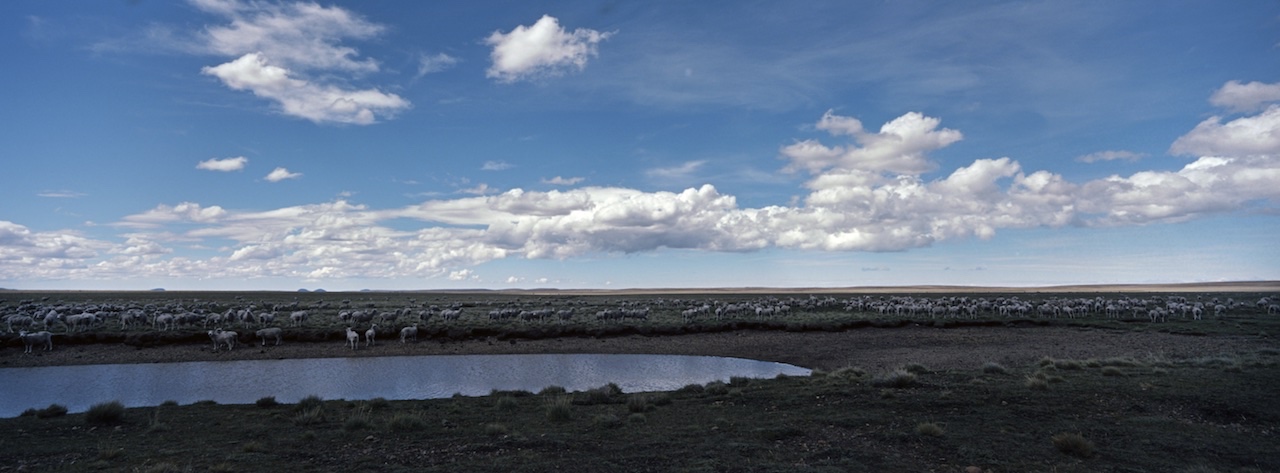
[639,403]
[606,420]
[54,410]
[312,416]
[739,380]
[507,403]
[849,372]
[1073,444]
[1036,383]
[897,379]
[378,403]
[992,367]
[206,402]
[169,403]
[310,403]
[105,413]
[559,409]
[691,389]
[357,421]
[717,388]
[269,401]
[930,429]
[30,412]
[553,389]
[1067,364]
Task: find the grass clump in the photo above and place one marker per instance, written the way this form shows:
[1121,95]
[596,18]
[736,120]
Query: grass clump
[357,421]
[606,420]
[1112,371]
[601,395]
[269,401]
[1067,364]
[691,389]
[1073,444]
[378,403]
[849,372]
[406,423]
[639,403]
[716,388]
[559,409]
[496,430]
[552,390]
[896,379]
[915,368]
[169,403]
[992,367]
[309,403]
[507,403]
[105,413]
[930,429]
[1038,384]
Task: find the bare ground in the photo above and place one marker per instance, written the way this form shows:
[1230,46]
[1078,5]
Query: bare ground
[869,348]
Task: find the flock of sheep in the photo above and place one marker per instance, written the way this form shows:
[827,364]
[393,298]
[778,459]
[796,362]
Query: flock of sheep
[220,320]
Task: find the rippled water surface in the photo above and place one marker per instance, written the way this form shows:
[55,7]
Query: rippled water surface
[399,377]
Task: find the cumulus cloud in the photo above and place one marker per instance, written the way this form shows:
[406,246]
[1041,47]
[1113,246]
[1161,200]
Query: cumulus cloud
[543,49]
[1110,156]
[224,165]
[1250,97]
[280,174]
[867,196]
[276,46]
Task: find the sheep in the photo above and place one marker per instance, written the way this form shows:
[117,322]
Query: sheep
[353,338]
[298,317]
[369,334]
[20,321]
[76,322]
[167,320]
[223,337]
[266,318]
[273,332]
[31,339]
[408,333]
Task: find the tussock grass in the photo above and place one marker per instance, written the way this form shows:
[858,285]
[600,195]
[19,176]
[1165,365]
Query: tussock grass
[311,416]
[359,420]
[269,401]
[507,403]
[1067,364]
[606,420]
[105,413]
[378,403]
[915,368]
[1073,444]
[559,409]
[1033,382]
[717,388]
[1112,371]
[495,429]
[552,390]
[992,367]
[54,410]
[309,403]
[896,379]
[852,372]
[639,403]
[930,429]
[637,418]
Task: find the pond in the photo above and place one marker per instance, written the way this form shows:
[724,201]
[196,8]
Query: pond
[394,378]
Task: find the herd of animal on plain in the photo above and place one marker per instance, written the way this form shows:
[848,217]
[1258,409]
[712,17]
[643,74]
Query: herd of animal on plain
[29,315]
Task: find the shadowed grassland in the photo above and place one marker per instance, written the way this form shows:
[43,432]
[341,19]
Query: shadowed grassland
[1211,414]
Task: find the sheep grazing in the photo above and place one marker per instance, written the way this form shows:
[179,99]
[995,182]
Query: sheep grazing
[223,337]
[353,338]
[298,317]
[410,332]
[19,321]
[31,339]
[369,334]
[273,332]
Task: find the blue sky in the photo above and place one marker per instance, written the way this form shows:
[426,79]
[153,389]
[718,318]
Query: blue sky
[225,144]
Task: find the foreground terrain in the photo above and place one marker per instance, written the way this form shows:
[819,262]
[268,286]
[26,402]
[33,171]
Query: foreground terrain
[892,392]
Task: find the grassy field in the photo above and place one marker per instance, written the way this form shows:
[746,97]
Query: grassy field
[1212,412]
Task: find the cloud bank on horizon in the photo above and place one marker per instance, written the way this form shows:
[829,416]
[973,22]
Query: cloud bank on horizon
[848,186]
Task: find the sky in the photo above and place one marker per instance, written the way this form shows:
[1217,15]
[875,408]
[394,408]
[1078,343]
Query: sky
[260,145]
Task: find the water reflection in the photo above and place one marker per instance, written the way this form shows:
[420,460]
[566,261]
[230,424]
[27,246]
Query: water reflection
[412,377]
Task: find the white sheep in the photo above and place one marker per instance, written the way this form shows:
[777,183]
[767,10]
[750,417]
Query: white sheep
[297,317]
[273,332]
[369,334]
[353,338]
[223,337]
[165,320]
[31,339]
[410,332]
[20,321]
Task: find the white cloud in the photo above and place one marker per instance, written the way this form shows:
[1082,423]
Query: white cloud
[478,189]
[859,200]
[278,46]
[280,174]
[296,35]
[225,165]
[682,172]
[61,194]
[430,64]
[496,166]
[300,98]
[543,49]
[563,181]
[1257,135]
[1250,97]
[1110,156]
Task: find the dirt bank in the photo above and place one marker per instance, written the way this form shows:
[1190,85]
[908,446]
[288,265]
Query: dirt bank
[870,348]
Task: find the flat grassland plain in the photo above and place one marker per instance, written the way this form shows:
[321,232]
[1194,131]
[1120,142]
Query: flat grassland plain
[1064,379]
